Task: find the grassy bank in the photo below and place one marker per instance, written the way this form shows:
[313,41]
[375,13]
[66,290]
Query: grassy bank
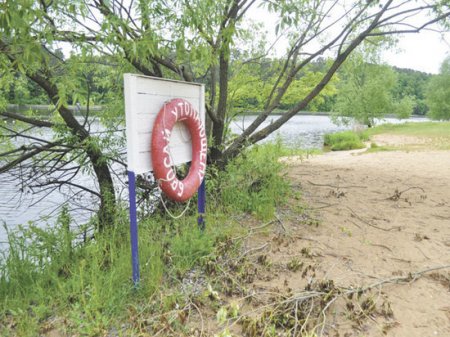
[53,282]
[420,136]
[419,129]
[423,135]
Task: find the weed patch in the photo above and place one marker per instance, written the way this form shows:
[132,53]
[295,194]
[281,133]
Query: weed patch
[253,183]
[58,279]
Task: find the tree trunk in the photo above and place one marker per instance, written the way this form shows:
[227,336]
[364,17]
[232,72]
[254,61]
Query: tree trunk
[102,172]
[106,212]
[219,125]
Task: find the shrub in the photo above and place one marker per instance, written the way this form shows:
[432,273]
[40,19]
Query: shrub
[345,140]
[253,182]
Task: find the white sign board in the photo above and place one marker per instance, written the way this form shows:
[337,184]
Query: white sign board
[144,98]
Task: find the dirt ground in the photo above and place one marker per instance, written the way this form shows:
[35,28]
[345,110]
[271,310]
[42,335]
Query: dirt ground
[361,250]
[380,216]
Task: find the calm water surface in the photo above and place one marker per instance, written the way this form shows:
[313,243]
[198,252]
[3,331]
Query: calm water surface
[303,131]
[300,131]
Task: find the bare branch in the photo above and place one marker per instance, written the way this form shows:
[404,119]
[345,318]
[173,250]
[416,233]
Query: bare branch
[61,183]
[35,150]
[29,120]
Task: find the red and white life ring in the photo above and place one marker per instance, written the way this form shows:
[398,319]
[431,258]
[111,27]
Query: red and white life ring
[178,110]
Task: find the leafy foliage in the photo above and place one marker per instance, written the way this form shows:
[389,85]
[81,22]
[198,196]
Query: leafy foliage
[213,42]
[413,84]
[62,272]
[438,93]
[253,183]
[366,93]
[345,140]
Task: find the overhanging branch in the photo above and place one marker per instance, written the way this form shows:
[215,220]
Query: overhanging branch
[29,120]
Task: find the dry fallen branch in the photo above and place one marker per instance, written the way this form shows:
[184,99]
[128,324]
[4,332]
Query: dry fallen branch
[252,250]
[411,277]
[372,225]
[281,223]
[299,307]
[382,246]
[201,317]
[335,186]
[398,194]
[325,206]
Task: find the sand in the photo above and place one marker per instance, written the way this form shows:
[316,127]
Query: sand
[356,220]
[381,215]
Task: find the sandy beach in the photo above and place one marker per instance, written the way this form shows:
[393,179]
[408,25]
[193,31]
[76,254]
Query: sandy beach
[382,215]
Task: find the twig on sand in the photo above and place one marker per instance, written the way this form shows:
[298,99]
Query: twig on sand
[201,317]
[411,277]
[306,300]
[281,223]
[252,250]
[397,194]
[326,206]
[372,225]
[354,223]
[253,230]
[382,246]
[420,250]
[336,186]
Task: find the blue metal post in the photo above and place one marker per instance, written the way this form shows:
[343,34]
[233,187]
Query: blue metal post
[201,205]
[133,227]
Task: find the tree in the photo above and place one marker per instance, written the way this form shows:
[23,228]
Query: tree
[404,107]
[438,93]
[412,83]
[250,85]
[190,40]
[365,93]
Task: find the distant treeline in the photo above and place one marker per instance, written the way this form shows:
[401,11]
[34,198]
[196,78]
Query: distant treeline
[413,83]
[249,89]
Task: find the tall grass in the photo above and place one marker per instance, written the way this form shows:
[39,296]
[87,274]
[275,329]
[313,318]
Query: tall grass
[345,140]
[87,284]
[52,279]
[253,182]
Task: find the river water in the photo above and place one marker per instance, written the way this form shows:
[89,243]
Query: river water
[302,131]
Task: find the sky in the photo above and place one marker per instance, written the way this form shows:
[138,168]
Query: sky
[424,51]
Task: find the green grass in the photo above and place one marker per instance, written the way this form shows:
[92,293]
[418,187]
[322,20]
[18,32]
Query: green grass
[424,129]
[345,140]
[376,148]
[253,183]
[51,280]
[438,133]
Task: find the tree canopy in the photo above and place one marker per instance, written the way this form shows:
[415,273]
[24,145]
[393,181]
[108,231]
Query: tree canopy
[366,93]
[438,93]
[412,83]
